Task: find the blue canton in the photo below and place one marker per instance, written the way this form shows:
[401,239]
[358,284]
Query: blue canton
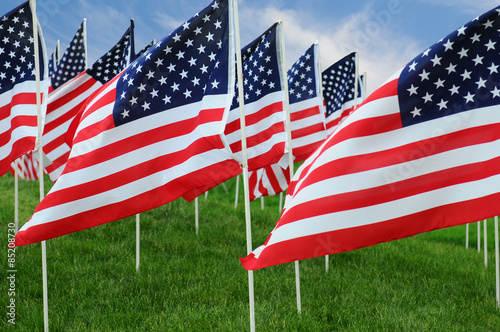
[72,62]
[178,70]
[17,59]
[338,83]
[302,78]
[116,59]
[457,74]
[261,74]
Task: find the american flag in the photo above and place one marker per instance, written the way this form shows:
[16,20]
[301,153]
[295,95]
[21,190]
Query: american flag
[26,166]
[151,134]
[268,181]
[52,64]
[72,61]
[18,106]
[264,99]
[66,97]
[339,90]
[145,48]
[307,115]
[421,153]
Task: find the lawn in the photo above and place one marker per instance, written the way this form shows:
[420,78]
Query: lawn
[195,282]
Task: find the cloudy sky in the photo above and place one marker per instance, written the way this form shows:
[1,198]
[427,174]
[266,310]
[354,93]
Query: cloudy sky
[386,33]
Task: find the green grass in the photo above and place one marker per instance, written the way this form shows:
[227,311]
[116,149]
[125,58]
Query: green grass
[190,282]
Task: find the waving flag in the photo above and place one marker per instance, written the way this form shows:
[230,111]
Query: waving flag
[306,104]
[264,103]
[67,94]
[52,63]
[268,181]
[72,61]
[421,153]
[339,91]
[18,106]
[151,134]
[27,166]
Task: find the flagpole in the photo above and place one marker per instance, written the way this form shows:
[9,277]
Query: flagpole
[85,40]
[356,75]
[290,149]
[479,236]
[262,203]
[196,215]
[467,236]
[40,161]
[16,195]
[58,52]
[246,189]
[497,258]
[237,191]
[485,243]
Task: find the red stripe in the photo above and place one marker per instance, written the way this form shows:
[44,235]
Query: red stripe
[358,237]
[16,122]
[18,148]
[77,86]
[63,118]
[305,113]
[138,204]
[306,131]
[23,98]
[259,137]
[251,119]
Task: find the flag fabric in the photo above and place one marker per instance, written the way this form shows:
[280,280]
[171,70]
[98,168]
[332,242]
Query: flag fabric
[69,93]
[72,61]
[264,96]
[145,48]
[421,153]
[52,64]
[18,105]
[268,181]
[151,134]
[339,91]
[27,166]
[307,116]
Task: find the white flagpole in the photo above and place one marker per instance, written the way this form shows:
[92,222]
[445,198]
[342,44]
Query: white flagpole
[281,201]
[40,160]
[497,257]
[246,189]
[196,216]
[137,241]
[262,203]
[237,191]
[290,150]
[479,236]
[16,195]
[467,236]
[485,243]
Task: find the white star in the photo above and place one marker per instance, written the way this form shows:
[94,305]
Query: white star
[201,49]
[145,106]
[163,80]
[451,68]
[475,38]
[461,31]
[171,67]
[187,93]
[490,45]
[466,74]
[192,62]
[442,104]
[159,62]
[215,84]
[424,75]
[427,97]
[481,83]
[463,53]
[478,60]
[448,45]
[413,90]
[175,87]
[180,55]
[496,92]
[218,24]
[166,99]
[167,50]
[416,111]
[210,36]
[439,83]
[154,93]
[186,25]
[142,87]
[176,37]
[197,30]
[125,113]
[436,60]
[196,81]
[493,68]
[188,43]
[426,52]
[184,74]
[150,74]
[454,89]
[204,69]
[133,101]
[469,97]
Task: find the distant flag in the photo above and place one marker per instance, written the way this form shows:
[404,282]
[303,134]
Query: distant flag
[52,63]
[306,104]
[145,48]
[27,166]
[18,105]
[339,91]
[72,61]
[421,153]
[66,100]
[268,181]
[264,103]
[151,134]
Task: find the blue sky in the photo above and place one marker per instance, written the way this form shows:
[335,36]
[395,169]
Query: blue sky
[386,33]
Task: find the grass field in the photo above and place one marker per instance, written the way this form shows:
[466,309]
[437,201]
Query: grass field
[190,282]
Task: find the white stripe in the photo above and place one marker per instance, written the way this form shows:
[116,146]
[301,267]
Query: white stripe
[23,87]
[17,134]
